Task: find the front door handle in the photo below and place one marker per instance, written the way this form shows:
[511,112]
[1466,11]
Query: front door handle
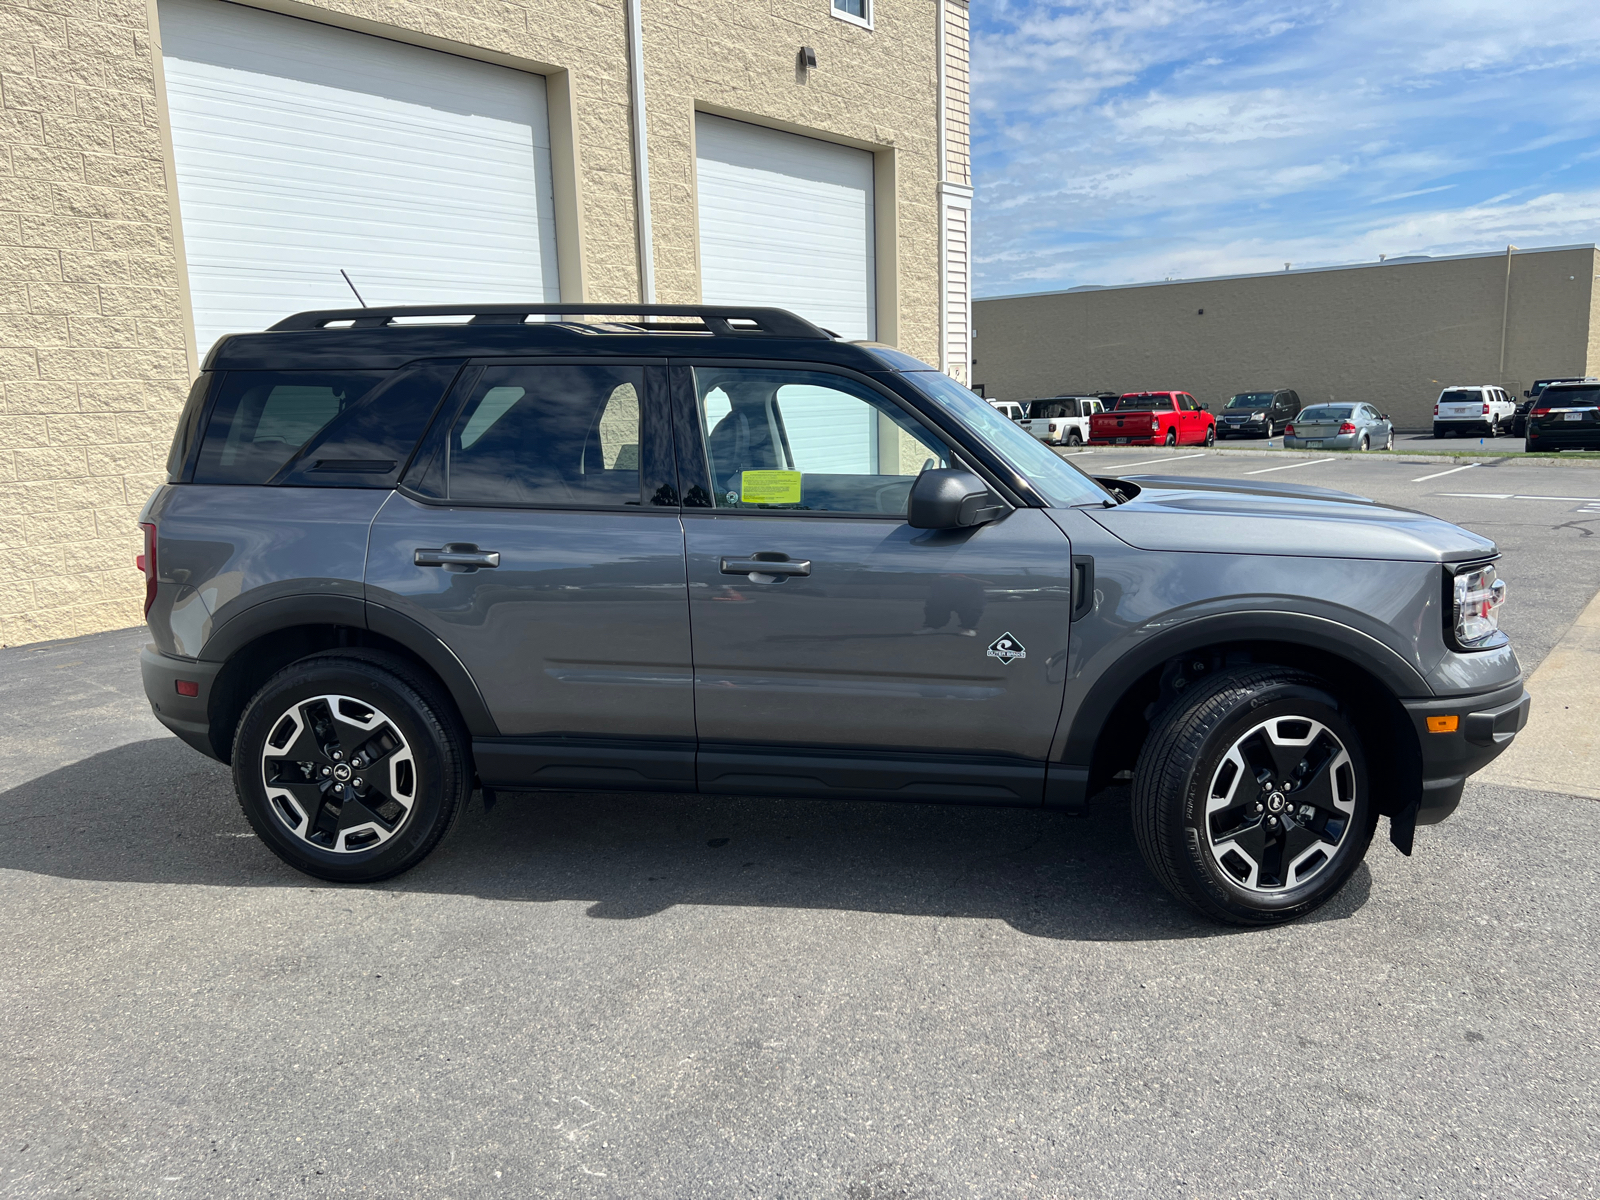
[766,566]
[457,557]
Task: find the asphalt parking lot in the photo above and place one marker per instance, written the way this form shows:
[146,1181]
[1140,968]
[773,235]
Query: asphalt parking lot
[648,996]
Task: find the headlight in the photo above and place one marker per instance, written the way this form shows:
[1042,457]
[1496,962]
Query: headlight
[1478,593]
[1261,416]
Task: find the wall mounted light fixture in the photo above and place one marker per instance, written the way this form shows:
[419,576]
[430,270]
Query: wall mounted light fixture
[808,58]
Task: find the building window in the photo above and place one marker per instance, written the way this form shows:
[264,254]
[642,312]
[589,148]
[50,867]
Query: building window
[857,12]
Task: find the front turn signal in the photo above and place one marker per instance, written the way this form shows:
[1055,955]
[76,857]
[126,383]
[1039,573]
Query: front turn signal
[1443,724]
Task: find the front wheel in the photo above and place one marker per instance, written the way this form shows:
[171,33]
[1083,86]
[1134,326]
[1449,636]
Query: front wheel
[1389,442]
[1250,800]
[351,765]
[1211,435]
[1269,431]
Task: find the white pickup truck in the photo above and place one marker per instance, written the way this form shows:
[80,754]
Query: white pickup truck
[1473,408]
[1062,420]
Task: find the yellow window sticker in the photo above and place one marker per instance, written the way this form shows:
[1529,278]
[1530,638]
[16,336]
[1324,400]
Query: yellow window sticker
[769,487]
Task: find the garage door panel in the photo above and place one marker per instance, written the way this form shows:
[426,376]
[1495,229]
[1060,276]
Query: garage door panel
[302,150]
[786,220]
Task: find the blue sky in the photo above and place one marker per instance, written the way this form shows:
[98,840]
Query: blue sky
[1118,141]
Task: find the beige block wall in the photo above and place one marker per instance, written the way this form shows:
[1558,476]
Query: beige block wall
[1390,334]
[94,327]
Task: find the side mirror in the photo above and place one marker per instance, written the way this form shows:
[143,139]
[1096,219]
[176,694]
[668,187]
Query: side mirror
[949,498]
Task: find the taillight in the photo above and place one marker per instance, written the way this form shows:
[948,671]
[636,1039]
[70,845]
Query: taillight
[1486,410]
[1436,410]
[1347,427]
[1289,429]
[1155,421]
[146,562]
[1541,412]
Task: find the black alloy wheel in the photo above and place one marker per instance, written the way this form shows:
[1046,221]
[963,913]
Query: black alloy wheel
[1211,435]
[1250,800]
[1171,438]
[351,765]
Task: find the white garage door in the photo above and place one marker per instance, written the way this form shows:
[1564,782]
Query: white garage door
[786,220]
[303,150]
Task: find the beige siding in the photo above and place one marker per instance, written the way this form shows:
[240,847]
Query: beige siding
[957,93]
[1393,334]
[94,337]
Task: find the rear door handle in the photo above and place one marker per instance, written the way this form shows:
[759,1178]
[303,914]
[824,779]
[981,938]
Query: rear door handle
[766,566]
[457,557]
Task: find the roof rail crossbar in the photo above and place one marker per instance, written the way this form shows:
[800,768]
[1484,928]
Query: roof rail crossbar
[719,319]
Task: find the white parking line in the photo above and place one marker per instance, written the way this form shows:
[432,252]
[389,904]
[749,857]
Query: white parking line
[1145,462]
[1287,466]
[1441,474]
[1510,496]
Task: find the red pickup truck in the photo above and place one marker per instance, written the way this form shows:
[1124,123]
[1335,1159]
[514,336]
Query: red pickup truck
[1153,419]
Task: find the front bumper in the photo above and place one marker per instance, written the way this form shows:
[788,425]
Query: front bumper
[1485,725]
[1250,428]
[187,716]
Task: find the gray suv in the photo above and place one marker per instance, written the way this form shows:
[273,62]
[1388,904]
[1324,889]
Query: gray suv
[405,552]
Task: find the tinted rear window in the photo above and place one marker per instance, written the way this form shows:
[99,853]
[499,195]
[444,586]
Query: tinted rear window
[188,426]
[1325,413]
[1560,397]
[261,419]
[1144,404]
[1459,396]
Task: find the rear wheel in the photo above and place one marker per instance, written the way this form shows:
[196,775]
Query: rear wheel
[351,765]
[1366,442]
[1250,799]
[1171,438]
[1074,438]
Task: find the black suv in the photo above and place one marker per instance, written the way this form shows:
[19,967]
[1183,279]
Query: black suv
[720,550]
[1257,414]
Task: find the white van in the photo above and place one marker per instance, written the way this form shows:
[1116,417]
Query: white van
[1473,408]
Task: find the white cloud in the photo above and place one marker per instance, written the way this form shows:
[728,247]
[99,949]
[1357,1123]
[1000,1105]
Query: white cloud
[1137,139]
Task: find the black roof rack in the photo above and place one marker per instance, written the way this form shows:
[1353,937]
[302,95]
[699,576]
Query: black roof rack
[718,319]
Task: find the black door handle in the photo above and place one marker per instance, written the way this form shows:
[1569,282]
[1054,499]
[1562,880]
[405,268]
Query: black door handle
[457,557]
[766,566]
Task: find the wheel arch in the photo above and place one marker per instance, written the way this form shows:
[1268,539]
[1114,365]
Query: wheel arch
[262,640]
[1116,714]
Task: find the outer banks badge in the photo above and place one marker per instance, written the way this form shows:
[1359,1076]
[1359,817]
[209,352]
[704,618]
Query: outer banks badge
[1006,648]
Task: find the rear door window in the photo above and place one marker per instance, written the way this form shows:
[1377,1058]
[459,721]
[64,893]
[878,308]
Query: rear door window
[261,419]
[557,436]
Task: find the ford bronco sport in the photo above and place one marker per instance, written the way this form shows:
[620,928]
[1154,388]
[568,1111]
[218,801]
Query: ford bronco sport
[719,550]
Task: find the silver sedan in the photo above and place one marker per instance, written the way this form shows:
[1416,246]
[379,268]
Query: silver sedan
[1339,427]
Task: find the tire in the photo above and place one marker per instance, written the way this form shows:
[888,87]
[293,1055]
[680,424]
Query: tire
[1211,435]
[1388,443]
[1437,432]
[1207,742]
[338,719]
[1269,431]
[1366,443]
[1494,428]
[1074,438]
[1171,439]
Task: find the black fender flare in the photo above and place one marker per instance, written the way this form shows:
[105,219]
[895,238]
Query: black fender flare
[289,612]
[1327,636]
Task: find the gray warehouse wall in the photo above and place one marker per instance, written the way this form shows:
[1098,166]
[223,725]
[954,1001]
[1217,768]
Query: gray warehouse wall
[1391,333]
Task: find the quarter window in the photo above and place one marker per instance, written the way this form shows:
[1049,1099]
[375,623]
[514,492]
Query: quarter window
[261,419]
[806,441]
[549,437]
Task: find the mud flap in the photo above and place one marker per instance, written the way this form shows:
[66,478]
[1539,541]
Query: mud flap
[1403,826]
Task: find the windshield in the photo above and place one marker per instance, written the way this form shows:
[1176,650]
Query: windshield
[1145,404]
[1325,413]
[1061,484]
[1251,400]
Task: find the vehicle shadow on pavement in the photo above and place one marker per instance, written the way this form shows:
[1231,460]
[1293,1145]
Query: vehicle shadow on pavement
[155,812]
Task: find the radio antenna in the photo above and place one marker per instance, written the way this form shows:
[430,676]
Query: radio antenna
[353,288]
